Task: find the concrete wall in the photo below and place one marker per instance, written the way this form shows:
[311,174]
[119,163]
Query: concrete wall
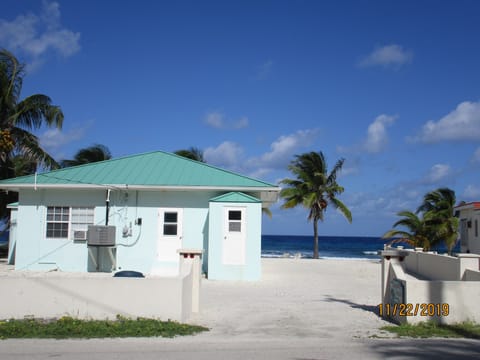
[440,267]
[443,289]
[101,296]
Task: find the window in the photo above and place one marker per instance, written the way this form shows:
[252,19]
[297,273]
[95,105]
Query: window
[64,222]
[170,223]
[234,221]
[57,221]
[81,218]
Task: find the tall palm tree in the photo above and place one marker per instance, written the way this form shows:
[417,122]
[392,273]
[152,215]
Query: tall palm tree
[94,153]
[314,188]
[438,213]
[192,153]
[17,118]
[416,234]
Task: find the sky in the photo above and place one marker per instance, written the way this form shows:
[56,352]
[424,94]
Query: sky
[393,87]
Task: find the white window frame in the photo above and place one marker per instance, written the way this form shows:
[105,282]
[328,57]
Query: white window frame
[76,218]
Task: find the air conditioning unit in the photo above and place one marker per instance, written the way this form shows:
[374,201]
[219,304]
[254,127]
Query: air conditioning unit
[80,235]
[101,235]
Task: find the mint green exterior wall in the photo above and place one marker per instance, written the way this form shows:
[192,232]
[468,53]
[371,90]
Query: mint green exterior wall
[203,227]
[251,270]
[136,252]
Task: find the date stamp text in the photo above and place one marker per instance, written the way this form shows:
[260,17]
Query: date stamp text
[409,309]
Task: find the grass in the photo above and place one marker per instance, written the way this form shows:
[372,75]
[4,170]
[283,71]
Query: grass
[430,329]
[67,327]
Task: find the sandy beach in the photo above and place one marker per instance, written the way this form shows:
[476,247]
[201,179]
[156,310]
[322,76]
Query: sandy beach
[296,298]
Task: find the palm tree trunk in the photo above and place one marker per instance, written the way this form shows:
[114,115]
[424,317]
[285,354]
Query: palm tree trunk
[315,239]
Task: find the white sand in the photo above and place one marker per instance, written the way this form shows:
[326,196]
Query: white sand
[296,298]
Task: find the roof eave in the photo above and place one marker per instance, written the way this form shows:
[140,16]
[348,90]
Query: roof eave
[17,187]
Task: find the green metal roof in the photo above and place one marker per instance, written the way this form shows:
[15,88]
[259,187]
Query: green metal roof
[235,197]
[150,170]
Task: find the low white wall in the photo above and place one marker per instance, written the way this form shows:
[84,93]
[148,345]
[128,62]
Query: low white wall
[408,299]
[471,275]
[440,267]
[95,296]
[449,302]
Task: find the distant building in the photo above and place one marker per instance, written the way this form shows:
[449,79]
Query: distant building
[469,216]
[135,213]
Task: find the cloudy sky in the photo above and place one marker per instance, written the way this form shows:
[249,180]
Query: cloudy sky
[391,86]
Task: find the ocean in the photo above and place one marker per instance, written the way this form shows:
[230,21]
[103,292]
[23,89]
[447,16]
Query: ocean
[330,247]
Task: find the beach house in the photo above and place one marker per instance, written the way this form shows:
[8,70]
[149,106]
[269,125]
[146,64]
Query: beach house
[469,216]
[136,213]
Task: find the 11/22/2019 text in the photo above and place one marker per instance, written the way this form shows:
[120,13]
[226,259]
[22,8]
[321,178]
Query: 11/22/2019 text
[409,309]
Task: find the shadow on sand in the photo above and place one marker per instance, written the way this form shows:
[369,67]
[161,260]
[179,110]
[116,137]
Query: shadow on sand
[365,307]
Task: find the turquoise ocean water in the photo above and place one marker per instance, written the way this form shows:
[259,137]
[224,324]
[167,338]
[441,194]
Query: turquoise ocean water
[337,247]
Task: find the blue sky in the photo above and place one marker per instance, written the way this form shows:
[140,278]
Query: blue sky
[391,86]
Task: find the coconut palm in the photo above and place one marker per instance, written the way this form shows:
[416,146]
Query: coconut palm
[192,153]
[416,233]
[19,117]
[314,188]
[438,213]
[94,153]
[19,148]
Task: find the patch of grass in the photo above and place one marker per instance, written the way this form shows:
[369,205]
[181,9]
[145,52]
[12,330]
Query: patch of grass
[430,329]
[67,327]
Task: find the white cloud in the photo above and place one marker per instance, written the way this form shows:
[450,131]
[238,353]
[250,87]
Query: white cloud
[218,120]
[437,173]
[463,123]
[284,148]
[232,156]
[377,137]
[227,154]
[476,155]
[264,70]
[471,193]
[387,56]
[35,35]
[241,123]
[215,119]
[53,139]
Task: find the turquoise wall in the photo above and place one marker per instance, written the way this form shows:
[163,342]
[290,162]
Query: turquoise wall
[202,229]
[217,270]
[136,252]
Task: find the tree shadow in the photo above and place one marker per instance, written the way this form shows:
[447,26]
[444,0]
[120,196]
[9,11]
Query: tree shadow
[365,307]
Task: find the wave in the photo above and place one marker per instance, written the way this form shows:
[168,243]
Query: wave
[370,252]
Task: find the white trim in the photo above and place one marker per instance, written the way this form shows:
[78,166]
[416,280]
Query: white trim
[140,187]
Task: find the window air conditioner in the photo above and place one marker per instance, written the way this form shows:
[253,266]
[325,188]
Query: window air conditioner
[79,235]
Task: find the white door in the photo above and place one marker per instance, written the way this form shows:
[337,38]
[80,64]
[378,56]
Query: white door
[170,233]
[234,236]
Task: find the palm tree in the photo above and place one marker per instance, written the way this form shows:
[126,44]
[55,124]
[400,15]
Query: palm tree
[18,146]
[438,213]
[416,234]
[192,153]
[94,153]
[19,117]
[314,188]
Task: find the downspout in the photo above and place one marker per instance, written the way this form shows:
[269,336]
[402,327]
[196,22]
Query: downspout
[107,207]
